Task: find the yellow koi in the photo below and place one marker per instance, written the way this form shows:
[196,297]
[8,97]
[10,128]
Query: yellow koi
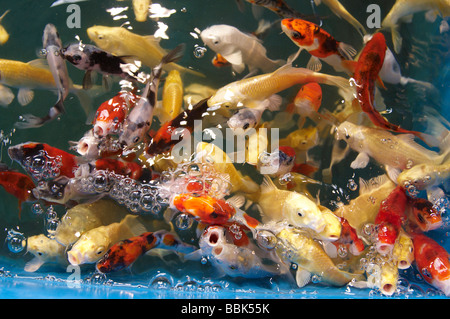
[44,250]
[172,97]
[4,36]
[140,8]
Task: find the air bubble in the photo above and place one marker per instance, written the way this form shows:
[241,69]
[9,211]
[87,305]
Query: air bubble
[204,260]
[183,221]
[266,239]
[51,227]
[199,52]
[37,209]
[16,241]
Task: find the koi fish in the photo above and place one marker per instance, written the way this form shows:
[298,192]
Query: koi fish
[432,261]
[349,238]
[295,246]
[339,10]
[42,161]
[121,42]
[4,36]
[44,250]
[93,244]
[124,253]
[34,75]
[403,11]
[390,219]
[245,119]
[319,43]
[279,7]
[139,120]
[140,9]
[162,141]
[211,153]
[258,89]
[88,146]
[307,103]
[301,140]
[232,260]
[424,176]
[295,208]
[17,184]
[403,251]
[219,61]
[239,49]
[388,275]
[366,72]
[278,163]
[423,214]
[395,152]
[52,45]
[89,58]
[172,98]
[111,114]
[364,208]
[210,210]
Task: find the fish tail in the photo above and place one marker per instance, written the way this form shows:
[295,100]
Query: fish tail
[31,121]
[174,55]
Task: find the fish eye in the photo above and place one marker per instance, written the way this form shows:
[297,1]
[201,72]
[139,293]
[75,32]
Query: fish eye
[426,273]
[216,42]
[300,214]
[246,126]
[136,139]
[100,37]
[99,250]
[297,35]
[77,57]
[347,136]
[39,253]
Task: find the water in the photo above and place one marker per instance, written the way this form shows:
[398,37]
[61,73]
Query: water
[424,57]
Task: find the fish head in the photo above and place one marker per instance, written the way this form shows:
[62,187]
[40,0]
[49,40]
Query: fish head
[54,190]
[216,37]
[305,138]
[333,227]
[90,248]
[212,237]
[308,98]
[279,162]
[243,120]
[88,145]
[43,247]
[133,133]
[304,213]
[425,214]
[301,32]
[51,36]
[76,55]
[101,36]
[348,132]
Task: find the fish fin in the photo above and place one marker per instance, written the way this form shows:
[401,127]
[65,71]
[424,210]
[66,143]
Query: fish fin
[392,173]
[396,39]
[25,96]
[33,265]
[240,5]
[273,103]
[174,55]
[407,19]
[87,80]
[136,228]
[237,201]
[234,58]
[360,161]
[330,249]
[257,11]
[86,103]
[346,50]
[106,82]
[29,121]
[267,185]
[314,64]
[293,57]
[371,184]
[239,68]
[248,186]
[194,256]
[430,16]
[349,65]
[317,2]
[3,15]
[39,63]
[302,277]
[380,82]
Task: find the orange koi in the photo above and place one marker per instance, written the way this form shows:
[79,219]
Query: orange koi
[120,167]
[17,184]
[349,238]
[432,261]
[423,214]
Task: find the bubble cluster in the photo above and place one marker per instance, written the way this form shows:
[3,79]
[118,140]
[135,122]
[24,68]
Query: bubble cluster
[42,166]
[51,222]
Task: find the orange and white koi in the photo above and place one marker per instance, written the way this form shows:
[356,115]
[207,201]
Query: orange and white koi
[123,254]
[390,218]
[432,261]
[111,114]
[349,238]
[319,43]
[423,214]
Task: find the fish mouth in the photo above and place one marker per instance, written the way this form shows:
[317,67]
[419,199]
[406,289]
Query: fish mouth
[383,248]
[74,257]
